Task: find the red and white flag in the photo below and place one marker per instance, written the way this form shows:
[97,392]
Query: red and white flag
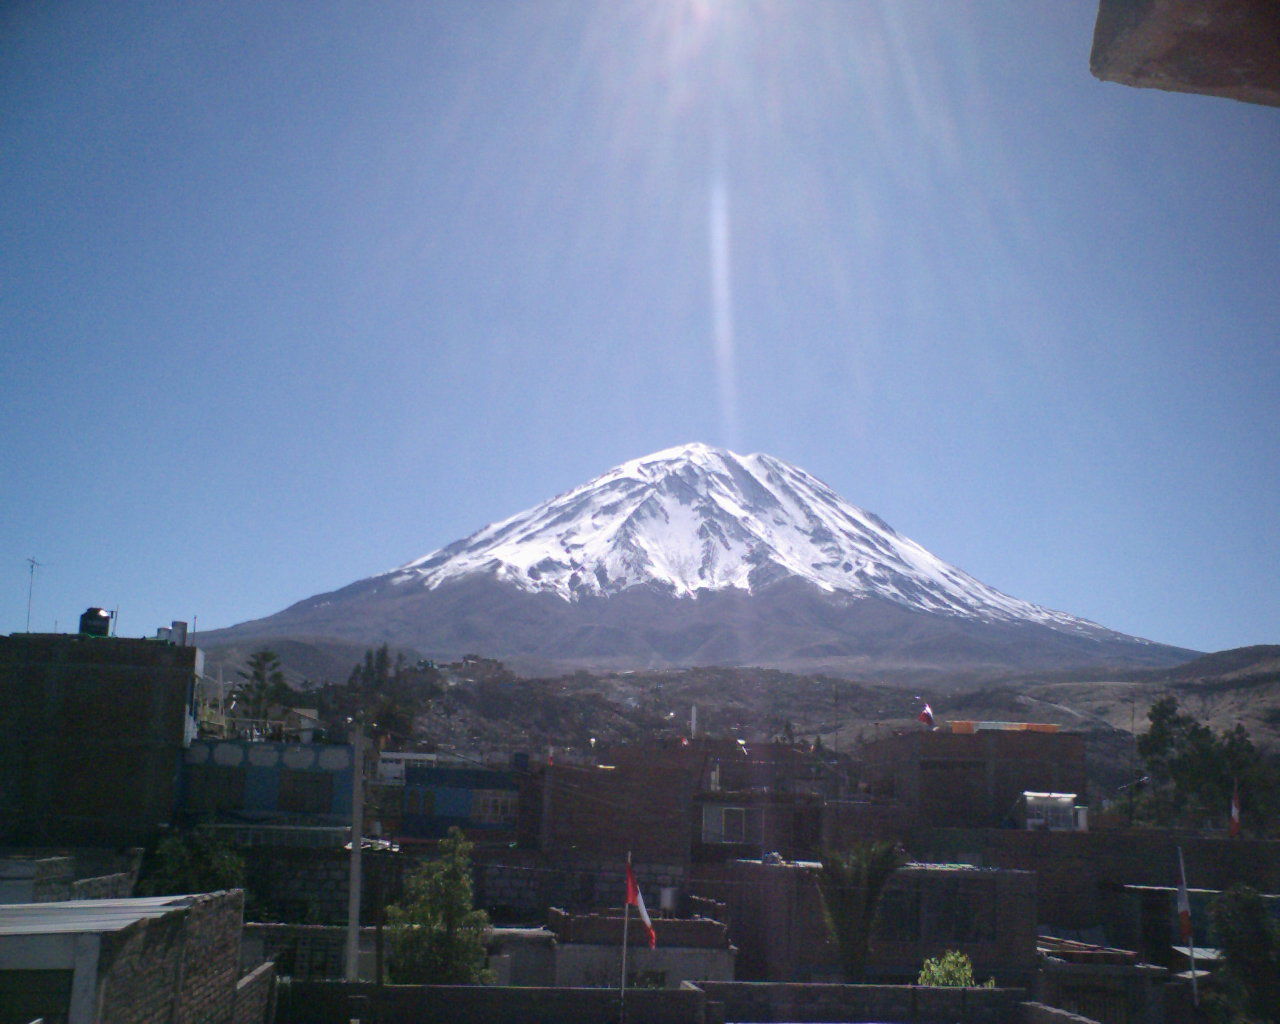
[1184,904]
[634,899]
[1233,826]
[926,715]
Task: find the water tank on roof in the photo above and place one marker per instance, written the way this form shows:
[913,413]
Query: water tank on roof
[95,622]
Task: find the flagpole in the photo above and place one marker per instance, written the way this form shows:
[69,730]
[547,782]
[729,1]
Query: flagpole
[622,987]
[1191,935]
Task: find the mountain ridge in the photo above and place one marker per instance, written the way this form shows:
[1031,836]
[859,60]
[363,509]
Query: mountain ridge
[696,555]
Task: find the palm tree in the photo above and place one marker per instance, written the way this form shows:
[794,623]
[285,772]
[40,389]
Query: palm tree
[851,883]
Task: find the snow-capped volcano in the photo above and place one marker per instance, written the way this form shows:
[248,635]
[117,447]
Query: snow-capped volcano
[697,518]
[698,556]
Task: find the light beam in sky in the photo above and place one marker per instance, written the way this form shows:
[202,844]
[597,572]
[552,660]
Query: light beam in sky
[722,309]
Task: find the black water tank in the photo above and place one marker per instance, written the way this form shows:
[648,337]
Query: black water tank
[95,622]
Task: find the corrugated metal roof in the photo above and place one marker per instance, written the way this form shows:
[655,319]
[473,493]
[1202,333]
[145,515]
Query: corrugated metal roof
[75,916]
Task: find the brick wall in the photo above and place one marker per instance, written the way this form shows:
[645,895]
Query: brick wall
[522,884]
[177,969]
[606,929]
[93,732]
[591,810]
[965,779]
[846,822]
[255,996]
[777,921]
[1080,873]
[103,887]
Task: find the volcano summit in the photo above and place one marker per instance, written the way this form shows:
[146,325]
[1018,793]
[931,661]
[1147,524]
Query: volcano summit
[696,555]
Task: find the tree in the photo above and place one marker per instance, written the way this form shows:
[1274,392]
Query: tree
[1193,772]
[1250,942]
[195,861]
[437,937]
[263,684]
[851,884]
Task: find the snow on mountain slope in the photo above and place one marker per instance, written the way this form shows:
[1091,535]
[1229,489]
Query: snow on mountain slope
[700,518]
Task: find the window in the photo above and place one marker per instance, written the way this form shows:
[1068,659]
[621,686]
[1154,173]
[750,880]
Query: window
[494,806]
[730,824]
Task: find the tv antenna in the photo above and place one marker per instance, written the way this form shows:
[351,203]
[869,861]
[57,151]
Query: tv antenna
[31,583]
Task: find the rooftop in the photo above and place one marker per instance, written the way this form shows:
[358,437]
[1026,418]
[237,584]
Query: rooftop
[79,916]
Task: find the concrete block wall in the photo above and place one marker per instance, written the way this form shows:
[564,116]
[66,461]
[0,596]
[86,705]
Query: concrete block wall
[337,1002]
[298,885]
[904,1004]
[35,879]
[1038,1013]
[300,950]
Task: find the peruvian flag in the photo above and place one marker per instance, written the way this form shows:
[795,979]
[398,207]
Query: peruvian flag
[634,899]
[1184,906]
[926,715]
[1233,826]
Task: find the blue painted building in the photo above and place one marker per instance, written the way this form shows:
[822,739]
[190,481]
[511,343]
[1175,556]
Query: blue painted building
[288,783]
[483,802]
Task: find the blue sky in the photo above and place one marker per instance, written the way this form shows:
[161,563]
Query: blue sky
[291,295]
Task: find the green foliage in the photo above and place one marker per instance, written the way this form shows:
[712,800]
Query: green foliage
[263,685]
[1193,772]
[195,861]
[386,693]
[1250,941]
[851,883]
[951,970]
[437,936]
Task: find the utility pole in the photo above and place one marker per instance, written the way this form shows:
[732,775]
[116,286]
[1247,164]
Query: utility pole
[357,838]
[31,583]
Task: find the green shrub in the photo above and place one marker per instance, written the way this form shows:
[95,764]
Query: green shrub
[951,970]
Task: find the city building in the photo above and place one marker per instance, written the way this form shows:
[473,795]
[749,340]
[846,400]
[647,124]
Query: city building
[92,735]
[973,774]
